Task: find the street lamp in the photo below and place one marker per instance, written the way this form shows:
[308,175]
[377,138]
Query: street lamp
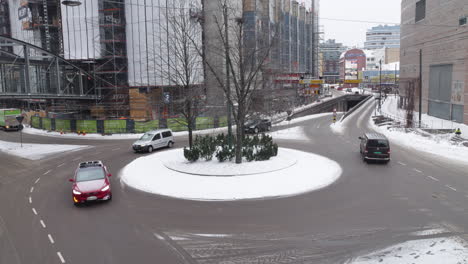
[71,3]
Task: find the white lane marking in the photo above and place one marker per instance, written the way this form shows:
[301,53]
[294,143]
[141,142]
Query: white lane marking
[60,165]
[401,163]
[115,149]
[42,224]
[32,189]
[97,153]
[416,170]
[30,199]
[451,188]
[34,211]
[75,159]
[432,178]
[37,180]
[159,236]
[51,239]
[318,126]
[47,172]
[60,257]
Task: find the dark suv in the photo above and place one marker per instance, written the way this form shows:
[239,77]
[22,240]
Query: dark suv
[375,146]
[257,125]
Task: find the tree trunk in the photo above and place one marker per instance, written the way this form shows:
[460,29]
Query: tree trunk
[239,133]
[190,134]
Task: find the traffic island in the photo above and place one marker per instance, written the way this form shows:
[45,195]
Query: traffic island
[292,172]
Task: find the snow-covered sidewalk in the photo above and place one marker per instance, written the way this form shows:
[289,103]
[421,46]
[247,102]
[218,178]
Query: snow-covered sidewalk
[291,173]
[438,145]
[36,151]
[422,250]
[390,108]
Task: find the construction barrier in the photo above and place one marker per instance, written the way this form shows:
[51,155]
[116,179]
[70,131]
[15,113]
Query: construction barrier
[120,126]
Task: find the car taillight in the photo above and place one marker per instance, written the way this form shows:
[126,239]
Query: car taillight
[388,152]
[365,151]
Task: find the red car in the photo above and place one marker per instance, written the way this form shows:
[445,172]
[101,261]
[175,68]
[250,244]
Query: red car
[91,183]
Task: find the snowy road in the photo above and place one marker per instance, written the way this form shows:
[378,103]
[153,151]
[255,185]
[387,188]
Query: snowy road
[371,208]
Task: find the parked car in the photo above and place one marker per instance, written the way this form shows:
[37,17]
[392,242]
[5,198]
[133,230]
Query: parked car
[257,125]
[375,146]
[349,90]
[154,140]
[91,183]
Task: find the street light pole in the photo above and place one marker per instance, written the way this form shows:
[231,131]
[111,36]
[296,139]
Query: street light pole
[380,85]
[420,87]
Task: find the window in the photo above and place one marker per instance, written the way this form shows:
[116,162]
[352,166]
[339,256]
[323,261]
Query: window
[420,10]
[158,136]
[377,143]
[462,21]
[167,134]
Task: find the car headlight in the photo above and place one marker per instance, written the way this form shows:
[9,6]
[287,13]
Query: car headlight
[76,192]
[105,188]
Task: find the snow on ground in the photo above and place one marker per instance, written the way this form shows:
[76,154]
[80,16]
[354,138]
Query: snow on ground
[34,131]
[390,108]
[304,118]
[311,172]
[438,145]
[450,250]
[292,133]
[36,151]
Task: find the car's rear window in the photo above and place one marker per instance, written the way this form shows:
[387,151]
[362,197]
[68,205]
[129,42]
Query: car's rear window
[90,174]
[377,143]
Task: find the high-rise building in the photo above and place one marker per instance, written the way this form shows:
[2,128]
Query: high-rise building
[331,51]
[291,27]
[382,37]
[443,51]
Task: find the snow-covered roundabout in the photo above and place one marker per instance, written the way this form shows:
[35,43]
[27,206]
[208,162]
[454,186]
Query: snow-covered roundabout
[290,173]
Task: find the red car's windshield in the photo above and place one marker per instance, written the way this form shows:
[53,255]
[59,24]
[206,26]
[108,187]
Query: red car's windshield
[90,174]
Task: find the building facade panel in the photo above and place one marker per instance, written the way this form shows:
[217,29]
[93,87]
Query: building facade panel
[437,47]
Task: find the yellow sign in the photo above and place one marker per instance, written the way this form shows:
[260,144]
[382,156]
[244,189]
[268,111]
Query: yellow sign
[316,81]
[353,81]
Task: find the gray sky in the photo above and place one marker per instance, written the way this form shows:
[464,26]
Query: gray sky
[354,33]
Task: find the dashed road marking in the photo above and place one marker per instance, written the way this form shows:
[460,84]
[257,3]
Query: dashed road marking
[30,199]
[34,211]
[42,224]
[60,257]
[37,180]
[115,149]
[432,178]
[32,189]
[401,163]
[60,165]
[159,236]
[51,239]
[47,172]
[451,188]
[75,159]
[97,153]
[416,170]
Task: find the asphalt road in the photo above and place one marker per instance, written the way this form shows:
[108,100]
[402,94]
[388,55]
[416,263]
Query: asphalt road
[370,206]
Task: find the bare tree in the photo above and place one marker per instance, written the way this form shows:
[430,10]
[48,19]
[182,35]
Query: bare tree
[182,66]
[246,59]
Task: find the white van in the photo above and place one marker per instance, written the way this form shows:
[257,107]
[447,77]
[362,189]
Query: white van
[155,139]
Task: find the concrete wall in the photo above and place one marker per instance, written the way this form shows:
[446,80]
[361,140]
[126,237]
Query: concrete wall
[440,45]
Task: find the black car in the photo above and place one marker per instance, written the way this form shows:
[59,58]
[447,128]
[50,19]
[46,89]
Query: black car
[375,146]
[257,125]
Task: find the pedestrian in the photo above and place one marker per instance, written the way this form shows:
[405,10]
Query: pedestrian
[458,132]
